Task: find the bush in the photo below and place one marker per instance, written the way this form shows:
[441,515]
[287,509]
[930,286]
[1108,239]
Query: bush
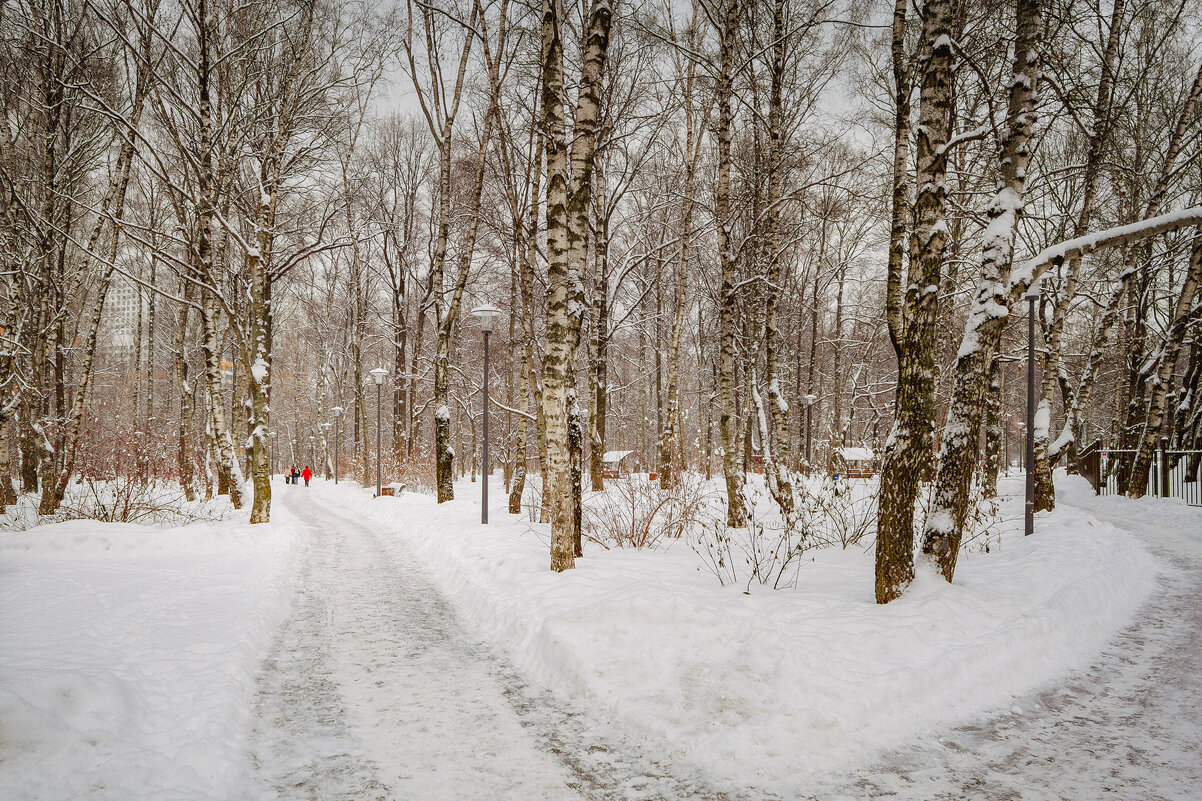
[768,549]
[129,500]
[634,513]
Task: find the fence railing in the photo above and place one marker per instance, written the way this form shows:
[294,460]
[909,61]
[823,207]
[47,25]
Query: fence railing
[1173,473]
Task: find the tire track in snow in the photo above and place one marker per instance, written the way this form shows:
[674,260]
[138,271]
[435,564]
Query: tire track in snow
[373,691]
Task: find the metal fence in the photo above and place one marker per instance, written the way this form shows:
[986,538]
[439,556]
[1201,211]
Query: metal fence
[1173,473]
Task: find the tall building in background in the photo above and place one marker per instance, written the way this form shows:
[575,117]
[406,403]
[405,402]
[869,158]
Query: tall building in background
[121,316]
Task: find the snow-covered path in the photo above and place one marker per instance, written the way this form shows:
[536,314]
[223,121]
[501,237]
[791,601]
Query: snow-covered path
[1128,728]
[373,691]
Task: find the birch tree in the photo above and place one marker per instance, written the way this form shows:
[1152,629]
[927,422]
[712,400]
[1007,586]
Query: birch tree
[569,175]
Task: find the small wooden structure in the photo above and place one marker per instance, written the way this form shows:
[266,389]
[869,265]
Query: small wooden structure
[855,462]
[611,464]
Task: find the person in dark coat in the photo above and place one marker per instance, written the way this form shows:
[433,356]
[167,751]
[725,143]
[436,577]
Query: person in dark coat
[308,474]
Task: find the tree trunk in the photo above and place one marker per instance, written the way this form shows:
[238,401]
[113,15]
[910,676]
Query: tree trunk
[908,449]
[990,310]
[727,301]
[1045,492]
[184,389]
[568,205]
[993,431]
[1154,416]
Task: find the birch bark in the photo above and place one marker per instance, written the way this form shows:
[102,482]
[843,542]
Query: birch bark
[727,300]
[990,308]
[912,316]
[568,205]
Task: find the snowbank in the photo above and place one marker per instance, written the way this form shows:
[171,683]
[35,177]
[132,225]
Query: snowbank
[763,689]
[128,656]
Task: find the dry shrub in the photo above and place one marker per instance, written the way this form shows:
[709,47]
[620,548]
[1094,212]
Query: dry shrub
[635,513]
[125,499]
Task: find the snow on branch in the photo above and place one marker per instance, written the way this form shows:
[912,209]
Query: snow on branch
[1031,269]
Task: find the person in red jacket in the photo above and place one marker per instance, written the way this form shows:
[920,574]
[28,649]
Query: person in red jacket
[306,475]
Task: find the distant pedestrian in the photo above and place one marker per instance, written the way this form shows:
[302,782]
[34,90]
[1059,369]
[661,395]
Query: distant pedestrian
[292,474]
[308,474]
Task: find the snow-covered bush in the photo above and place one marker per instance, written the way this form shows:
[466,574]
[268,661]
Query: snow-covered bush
[532,497]
[634,513]
[768,549]
[129,500]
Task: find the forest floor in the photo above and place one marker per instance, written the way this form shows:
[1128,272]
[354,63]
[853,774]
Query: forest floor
[394,649]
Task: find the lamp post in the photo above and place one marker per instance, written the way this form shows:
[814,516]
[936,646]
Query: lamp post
[337,414]
[1029,509]
[271,437]
[377,375]
[325,427]
[488,316]
[312,450]
[809,426]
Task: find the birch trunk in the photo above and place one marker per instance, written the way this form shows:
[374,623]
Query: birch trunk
[598,357]
[1113,312]
[1170,349]
[727,301]
[990,309]
[908,449]
[529,387]
[993,431]
[229,469]
[184,389]
[1045,492]
[8,493]
[568,205]
[694,137]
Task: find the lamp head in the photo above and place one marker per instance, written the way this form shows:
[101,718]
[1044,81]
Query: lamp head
[810,399]
[378,374]
[1034,290]
[337,410]
[488,315]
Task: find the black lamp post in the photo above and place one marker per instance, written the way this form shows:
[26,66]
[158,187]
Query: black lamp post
[377,375]
[337,414]
[271,439]
[1029,510]
[312,450]
[809,426]
[488,316]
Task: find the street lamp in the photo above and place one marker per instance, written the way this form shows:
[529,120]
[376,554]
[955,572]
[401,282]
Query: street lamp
[337,414]
[1032,297]
[271,436]
[325,427]
[312,451]
[377,375]
[488,316]
[809,425]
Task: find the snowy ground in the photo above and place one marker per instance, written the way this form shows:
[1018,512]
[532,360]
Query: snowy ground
[427,657]
[128,656]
